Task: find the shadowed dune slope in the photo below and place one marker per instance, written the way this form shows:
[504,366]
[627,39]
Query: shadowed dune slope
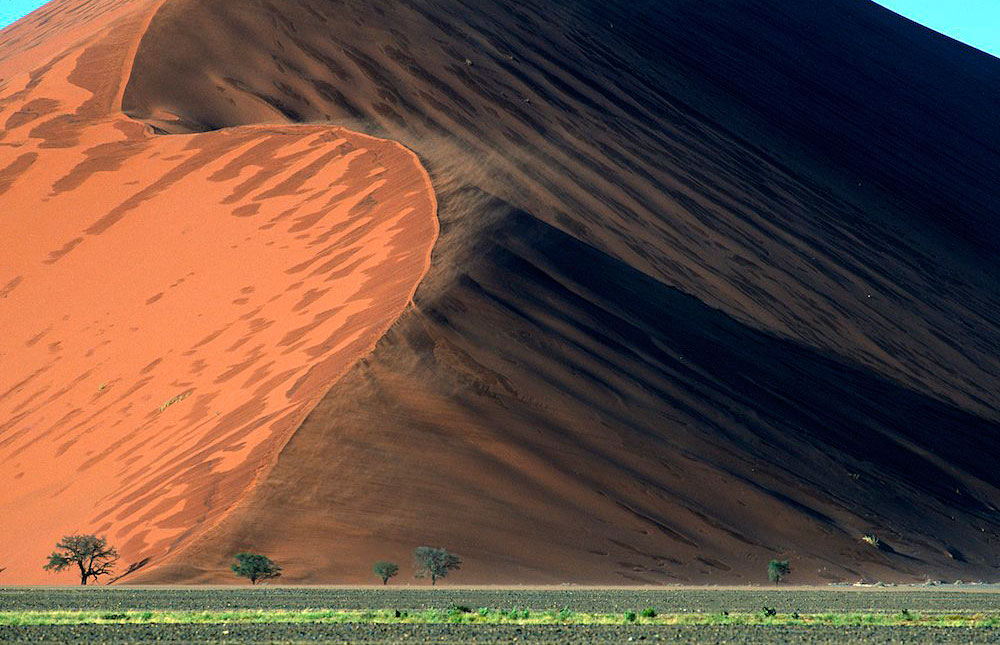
[172,306]
[716,283]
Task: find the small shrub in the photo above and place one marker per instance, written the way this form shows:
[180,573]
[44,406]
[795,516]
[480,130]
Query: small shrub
[777,570]
[769,611]
[648,612]
[630,616]
[565,613]
[872,540]
[461,609]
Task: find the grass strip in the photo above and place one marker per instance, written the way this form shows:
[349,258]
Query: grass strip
[485,616]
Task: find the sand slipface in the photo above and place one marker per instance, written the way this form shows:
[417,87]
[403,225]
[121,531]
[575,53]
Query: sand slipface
[172,306]
[713,287]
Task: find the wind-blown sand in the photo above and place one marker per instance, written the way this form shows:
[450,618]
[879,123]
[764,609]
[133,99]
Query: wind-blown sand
[175,305]
[716,284]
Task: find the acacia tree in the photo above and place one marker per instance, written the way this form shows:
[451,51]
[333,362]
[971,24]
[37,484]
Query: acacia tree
[255,566]
[777,570]
[385,570]
[89,553]
[435,563]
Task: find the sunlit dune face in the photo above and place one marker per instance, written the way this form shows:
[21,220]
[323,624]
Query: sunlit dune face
[173,306]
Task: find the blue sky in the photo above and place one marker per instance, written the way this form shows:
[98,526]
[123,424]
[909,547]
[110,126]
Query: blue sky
[11,10]
[975,22]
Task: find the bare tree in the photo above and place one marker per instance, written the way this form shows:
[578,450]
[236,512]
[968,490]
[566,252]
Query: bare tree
[435,563]
[89,553]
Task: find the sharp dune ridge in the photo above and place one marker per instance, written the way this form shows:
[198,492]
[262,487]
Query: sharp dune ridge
[175,305]
[715,283]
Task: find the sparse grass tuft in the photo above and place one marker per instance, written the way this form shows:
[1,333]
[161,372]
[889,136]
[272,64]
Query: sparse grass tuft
[176,399]
[484,615]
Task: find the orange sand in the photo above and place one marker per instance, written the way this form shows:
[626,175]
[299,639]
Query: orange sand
[172,306]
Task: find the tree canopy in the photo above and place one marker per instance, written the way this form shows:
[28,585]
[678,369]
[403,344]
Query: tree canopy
[777,570]
[256,567]
[385,570]
[91,554]
[434,562]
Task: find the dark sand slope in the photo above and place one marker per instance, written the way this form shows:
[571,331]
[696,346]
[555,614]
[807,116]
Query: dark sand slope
[172,306]
[716,283]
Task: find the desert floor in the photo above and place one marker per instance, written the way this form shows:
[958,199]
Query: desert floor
[925,603]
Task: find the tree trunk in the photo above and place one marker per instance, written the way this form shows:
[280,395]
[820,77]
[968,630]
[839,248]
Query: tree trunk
[83,579]
[433,579]
[385,581]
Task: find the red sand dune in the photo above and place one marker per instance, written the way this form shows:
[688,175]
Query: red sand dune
[174,306]
[716,283]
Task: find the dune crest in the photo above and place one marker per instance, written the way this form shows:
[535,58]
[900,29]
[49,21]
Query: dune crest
[173,306]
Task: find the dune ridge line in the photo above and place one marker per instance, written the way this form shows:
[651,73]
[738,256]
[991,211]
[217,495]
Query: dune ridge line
[183,468]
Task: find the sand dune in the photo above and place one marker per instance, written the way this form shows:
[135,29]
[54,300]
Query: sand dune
[174,306]
[716,283]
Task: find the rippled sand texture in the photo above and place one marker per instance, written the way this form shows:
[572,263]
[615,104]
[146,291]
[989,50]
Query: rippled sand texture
[716,284]
[172,306]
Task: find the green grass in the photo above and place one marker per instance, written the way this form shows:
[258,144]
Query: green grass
[486,616]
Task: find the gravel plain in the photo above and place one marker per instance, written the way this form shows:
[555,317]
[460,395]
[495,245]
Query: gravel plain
[666,600]
[924,600]
[491,634]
